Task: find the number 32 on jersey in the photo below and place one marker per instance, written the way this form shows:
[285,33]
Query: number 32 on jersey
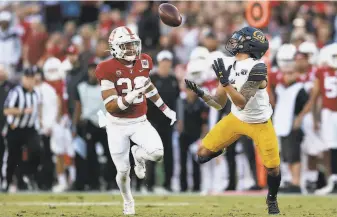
[128,88]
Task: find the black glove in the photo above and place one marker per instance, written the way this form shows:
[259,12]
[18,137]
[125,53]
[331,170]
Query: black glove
[221,72]
[194,87]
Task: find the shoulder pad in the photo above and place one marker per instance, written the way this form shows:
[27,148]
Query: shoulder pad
[258,72]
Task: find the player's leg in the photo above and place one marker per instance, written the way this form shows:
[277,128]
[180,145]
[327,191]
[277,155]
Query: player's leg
[265,139]
[149,146]
[119,147]
[328,135]
[223,134]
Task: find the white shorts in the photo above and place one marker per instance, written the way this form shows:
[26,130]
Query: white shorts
[329,127]
[312,142]
[141,133]
[61,139]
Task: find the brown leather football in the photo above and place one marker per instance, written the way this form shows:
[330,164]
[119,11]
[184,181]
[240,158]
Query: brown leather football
[169,14]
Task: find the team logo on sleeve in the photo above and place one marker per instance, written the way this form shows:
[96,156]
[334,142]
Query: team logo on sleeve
[118,73]
[145,64]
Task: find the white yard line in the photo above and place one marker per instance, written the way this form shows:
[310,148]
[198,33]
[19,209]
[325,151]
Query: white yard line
[88,204]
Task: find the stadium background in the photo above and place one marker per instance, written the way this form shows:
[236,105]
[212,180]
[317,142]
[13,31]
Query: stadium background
[48,29]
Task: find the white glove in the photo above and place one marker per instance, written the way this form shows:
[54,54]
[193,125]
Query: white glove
[142,84]
[171,115]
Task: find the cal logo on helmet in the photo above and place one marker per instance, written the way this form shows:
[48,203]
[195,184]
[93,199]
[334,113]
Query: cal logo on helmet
[258,35]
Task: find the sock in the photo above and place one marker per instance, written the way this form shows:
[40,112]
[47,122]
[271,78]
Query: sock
[333,161]
[62,179]
[311,175]
[204,159]
[72,173]
[124,184]
[273,186]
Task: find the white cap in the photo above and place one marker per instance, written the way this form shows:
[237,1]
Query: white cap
[5,16]
[164,54]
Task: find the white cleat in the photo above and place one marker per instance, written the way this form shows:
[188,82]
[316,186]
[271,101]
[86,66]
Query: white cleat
[140,167]
[60,188]
[328,188]
[129,208]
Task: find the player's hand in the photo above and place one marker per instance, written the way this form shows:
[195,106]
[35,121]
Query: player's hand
[142,84]
[171,115]
[194,87]
[221,72]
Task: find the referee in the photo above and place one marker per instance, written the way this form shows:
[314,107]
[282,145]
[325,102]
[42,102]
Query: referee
[22,111]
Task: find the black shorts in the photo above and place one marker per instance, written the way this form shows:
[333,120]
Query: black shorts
[291,146]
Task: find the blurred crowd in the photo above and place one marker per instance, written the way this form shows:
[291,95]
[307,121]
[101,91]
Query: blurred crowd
[65,40]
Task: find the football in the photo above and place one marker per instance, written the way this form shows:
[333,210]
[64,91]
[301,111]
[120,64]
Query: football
[169,14]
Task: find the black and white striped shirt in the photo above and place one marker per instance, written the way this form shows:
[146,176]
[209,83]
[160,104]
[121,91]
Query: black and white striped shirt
[20,98]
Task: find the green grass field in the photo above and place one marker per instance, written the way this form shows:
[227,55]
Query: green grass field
[105,205]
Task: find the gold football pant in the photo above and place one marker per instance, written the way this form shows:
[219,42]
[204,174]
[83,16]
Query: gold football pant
[230,128]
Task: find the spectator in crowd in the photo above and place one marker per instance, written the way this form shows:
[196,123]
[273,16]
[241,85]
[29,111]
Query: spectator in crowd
[148,27]
[22,108]
[10,44]
[74,74]
[87,105]
[168,88]
[35,43]
[101,51]
[192,126]
[49,116]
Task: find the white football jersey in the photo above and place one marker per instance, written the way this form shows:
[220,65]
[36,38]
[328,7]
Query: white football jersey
[258,108]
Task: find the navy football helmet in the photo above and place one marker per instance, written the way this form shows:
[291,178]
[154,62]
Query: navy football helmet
[248,40]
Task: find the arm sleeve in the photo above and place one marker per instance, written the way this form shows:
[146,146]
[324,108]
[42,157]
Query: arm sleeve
[258,72]
[11,99]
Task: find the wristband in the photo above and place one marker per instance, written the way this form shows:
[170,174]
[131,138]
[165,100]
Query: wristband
[151,93]
[121,104]
[159,102]
[109,99]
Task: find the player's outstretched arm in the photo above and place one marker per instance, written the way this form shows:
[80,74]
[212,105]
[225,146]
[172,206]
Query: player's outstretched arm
[152,94]
[218,101]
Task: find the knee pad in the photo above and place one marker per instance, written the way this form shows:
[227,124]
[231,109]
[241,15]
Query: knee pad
[157,155]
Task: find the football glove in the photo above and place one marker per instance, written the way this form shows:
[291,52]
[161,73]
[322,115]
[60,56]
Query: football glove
[171,115]
[195,88]
[221,72]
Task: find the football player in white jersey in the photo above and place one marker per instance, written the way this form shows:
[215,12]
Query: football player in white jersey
[243,79]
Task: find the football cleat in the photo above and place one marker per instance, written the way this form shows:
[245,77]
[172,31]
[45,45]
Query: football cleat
[272,207]
[129,208]
[60,188]
[140,167]
[329,188]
